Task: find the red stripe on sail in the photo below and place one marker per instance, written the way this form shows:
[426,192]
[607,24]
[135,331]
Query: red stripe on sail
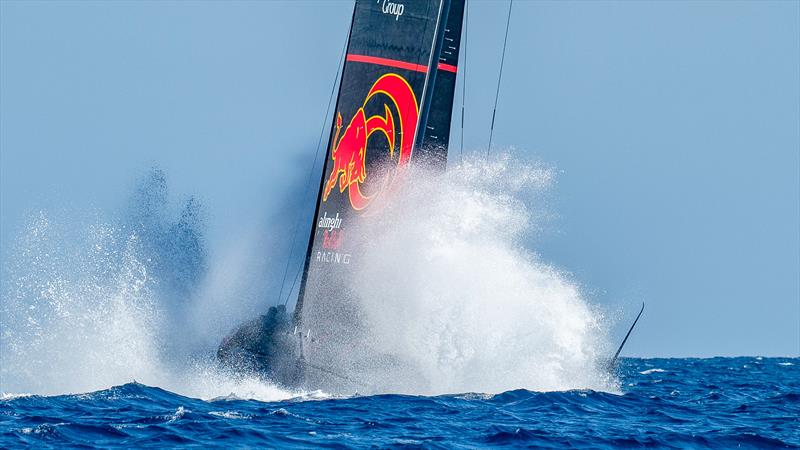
[387,62]
[448,67]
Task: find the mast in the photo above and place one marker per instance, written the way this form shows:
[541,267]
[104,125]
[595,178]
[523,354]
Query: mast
[393,108]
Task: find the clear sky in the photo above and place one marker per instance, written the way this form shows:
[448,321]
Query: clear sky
[675,127]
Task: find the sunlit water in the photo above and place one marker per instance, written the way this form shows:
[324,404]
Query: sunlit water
[721,402]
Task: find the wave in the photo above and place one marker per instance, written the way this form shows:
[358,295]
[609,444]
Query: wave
[701,403]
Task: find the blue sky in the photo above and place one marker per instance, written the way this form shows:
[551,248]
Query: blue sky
[675,128]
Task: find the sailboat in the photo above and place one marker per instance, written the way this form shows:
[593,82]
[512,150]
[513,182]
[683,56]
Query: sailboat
[393,110]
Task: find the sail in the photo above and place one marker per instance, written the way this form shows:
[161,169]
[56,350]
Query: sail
[394,108]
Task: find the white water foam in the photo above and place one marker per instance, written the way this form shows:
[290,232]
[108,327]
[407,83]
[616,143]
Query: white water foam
[84,308]
[230,415]
[76,314]
[649,371]
[452,288]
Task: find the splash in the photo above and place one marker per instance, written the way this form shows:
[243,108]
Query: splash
[92,302]
[77,311]
[451,291]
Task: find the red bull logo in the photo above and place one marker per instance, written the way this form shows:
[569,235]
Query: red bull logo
[349,148]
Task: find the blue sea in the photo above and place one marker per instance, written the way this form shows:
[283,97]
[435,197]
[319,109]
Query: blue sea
[749,402]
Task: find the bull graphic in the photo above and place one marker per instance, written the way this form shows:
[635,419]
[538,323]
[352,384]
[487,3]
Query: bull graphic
[349,148]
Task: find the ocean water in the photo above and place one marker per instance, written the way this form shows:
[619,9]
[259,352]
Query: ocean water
[749,402]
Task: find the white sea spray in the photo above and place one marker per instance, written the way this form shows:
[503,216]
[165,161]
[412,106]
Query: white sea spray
[453,288]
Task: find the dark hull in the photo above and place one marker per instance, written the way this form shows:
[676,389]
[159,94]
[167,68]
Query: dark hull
[267,348]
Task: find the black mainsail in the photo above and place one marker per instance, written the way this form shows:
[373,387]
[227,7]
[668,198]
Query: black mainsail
[393,109]
[394,106]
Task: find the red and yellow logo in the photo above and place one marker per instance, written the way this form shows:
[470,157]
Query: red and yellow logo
[349,152]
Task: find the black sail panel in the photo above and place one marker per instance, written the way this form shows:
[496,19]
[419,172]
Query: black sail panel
[388,85]
[392,44]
